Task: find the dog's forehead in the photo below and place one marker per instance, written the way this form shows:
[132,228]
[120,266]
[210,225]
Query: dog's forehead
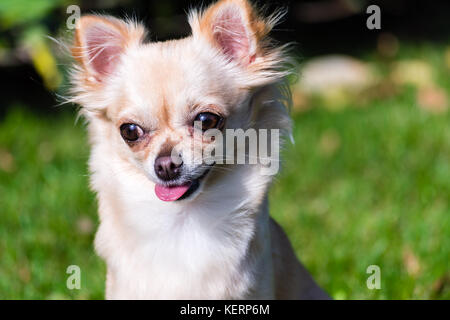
[169,71]
[166,82]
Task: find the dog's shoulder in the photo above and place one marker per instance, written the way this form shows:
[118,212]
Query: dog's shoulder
[292,279]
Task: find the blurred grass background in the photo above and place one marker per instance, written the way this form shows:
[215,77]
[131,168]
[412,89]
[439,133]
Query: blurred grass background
[367,181]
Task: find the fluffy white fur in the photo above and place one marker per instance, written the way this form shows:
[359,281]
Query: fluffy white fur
[221,242]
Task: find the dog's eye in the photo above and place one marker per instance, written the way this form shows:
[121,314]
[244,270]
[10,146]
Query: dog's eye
[209,120]
[131,132]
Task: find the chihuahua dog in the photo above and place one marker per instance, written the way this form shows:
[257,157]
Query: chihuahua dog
[172,227]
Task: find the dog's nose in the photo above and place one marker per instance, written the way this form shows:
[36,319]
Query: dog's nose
[166,169]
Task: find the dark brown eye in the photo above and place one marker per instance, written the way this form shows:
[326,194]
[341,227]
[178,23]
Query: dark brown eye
[131,132]
[209,120]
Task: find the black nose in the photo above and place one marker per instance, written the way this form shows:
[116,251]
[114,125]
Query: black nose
[166,169]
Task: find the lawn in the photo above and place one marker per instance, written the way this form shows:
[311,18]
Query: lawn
[361,186]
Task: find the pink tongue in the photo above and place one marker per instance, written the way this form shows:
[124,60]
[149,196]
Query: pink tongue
[171,193]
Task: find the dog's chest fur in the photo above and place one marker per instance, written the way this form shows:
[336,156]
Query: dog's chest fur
[217,250]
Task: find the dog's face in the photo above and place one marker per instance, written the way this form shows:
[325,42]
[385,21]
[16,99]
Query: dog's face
[151,102]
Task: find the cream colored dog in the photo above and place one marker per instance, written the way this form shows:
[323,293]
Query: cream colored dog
[182,229]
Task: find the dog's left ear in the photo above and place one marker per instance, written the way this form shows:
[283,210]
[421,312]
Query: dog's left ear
[100,41]
[234,27]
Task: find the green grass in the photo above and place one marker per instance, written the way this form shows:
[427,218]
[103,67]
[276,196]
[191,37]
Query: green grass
[382,198]
[44,199]
[361,186]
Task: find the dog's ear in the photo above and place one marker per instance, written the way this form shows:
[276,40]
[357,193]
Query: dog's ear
[234,27]
[101,40]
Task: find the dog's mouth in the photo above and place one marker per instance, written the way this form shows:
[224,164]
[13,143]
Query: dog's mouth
[181,191]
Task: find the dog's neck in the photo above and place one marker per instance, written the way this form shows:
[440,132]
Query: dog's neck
[219,234]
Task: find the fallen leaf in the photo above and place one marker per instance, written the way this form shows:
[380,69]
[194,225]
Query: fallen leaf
[85,225]
[440,286]
[411,262]
[24,273]
[432,99]
[329,143]
[6,161]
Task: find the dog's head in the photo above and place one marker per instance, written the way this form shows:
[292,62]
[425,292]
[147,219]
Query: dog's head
[143,99]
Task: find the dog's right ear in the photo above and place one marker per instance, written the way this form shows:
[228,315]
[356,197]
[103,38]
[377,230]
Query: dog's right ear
[235,28]
[100,41]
